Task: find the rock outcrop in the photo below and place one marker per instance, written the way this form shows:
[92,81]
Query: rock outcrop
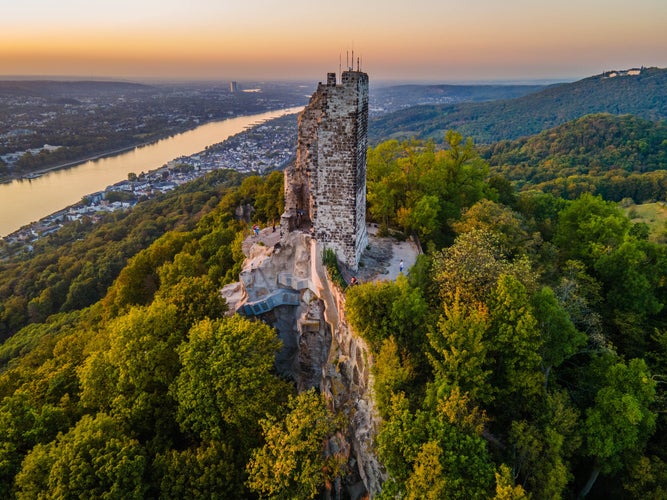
[319,347]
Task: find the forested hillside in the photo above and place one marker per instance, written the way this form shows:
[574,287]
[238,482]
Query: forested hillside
[391,98]
[521,357]
[74,267]
[643,95]
[614,156]
[148,393]
[527,356]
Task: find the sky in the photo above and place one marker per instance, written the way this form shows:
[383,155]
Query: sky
[406,40]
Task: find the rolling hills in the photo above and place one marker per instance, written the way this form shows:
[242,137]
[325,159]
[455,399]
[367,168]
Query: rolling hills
[643,94]
[614,156]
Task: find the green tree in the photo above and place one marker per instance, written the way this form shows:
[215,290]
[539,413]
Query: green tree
[143,348]
[424,216]
[516,342]
[391,374]
[589,228]
[205,471]
[383,309]
[633,276]
[560,339]
[183,265]
[399,441]
[470,268]
[139,280]
[508,226]
[539,461]
[130,368]
[427,481]
[270,200]
[540,210]
[98,376]
[647,478]
[420,189]
[195,298]
[459,352]
[381,203]
[24,424]
[227,380]
[458,177]
[404,449]
[621,420]
[294,462]
[633,273]
[580,295]
[505,487]
[94,459]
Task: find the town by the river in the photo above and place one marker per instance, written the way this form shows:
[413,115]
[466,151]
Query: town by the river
[26,201]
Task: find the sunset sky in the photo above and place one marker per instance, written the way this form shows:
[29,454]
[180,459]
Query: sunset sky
[435,40]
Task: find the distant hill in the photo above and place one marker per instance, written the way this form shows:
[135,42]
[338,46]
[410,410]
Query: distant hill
[615,156]
[395,97]
[598,141]
[64,89]
[643,95]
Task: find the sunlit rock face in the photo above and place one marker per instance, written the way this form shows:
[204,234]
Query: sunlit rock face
[284,284]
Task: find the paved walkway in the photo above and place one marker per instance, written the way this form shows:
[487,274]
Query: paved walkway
[384,266]
[403,250]
[382,262]
[267,236]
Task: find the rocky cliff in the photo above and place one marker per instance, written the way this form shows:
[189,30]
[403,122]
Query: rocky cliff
[284,283]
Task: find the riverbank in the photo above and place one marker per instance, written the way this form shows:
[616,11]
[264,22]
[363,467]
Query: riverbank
[38,172]
[238,143]
[34,174]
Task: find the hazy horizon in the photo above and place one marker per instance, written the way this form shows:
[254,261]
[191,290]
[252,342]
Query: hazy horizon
[392,40]
[223,80]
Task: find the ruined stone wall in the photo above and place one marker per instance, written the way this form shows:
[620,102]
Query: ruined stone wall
[327,185]
[301,178]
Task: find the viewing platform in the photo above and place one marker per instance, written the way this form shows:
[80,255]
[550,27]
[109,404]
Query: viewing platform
[280,297]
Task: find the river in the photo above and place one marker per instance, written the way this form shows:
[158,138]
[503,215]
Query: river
[24,201]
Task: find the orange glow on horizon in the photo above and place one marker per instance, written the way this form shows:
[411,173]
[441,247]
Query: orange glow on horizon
[420,40]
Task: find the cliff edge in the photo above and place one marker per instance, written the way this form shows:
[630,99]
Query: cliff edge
[283,283]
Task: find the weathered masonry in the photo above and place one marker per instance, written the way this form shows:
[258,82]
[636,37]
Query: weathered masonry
[326,187]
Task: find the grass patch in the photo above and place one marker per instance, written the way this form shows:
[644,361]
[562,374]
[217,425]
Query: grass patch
[331,263]
[653,214]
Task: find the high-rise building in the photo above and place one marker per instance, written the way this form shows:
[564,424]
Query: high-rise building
[233,87]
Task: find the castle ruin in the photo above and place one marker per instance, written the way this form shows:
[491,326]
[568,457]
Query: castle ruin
[283,280]
[326,187]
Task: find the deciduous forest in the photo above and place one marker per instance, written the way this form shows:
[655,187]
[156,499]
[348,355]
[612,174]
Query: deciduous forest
[523,356]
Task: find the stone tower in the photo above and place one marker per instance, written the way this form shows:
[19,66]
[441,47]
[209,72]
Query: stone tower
[326,187]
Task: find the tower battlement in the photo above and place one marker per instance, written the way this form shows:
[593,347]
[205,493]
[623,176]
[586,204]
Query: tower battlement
[326,187]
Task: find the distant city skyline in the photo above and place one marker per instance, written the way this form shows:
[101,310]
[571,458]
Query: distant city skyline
[420,40]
